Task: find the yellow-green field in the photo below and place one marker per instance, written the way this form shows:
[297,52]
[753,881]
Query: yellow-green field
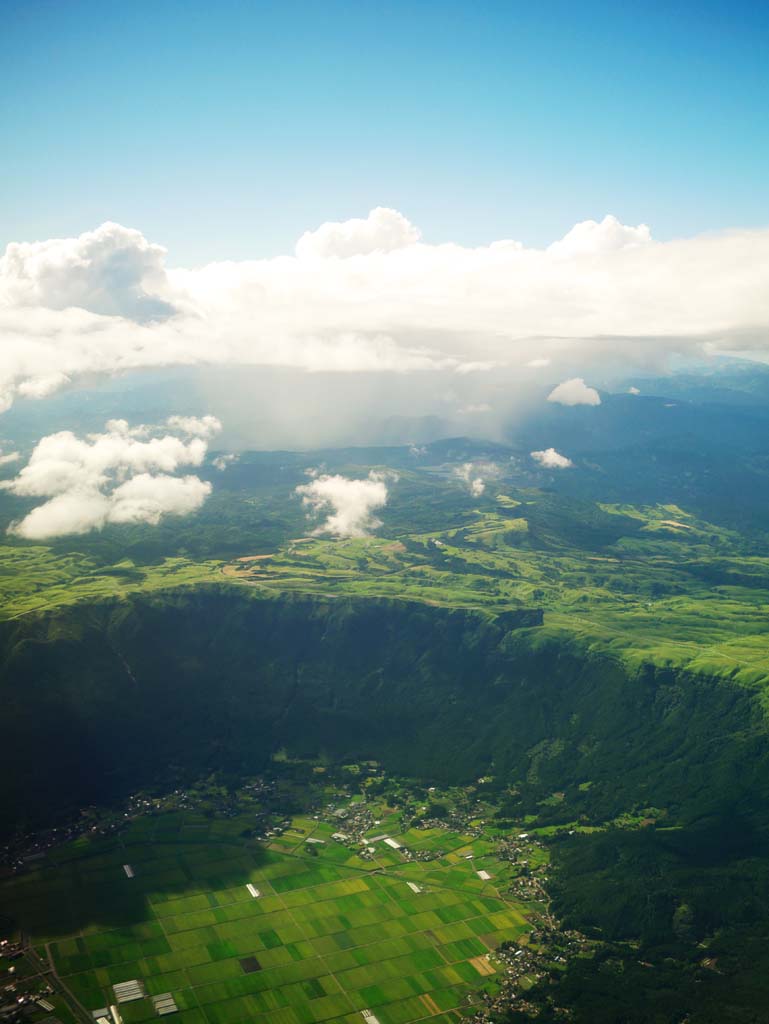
[329,935]
[33,579]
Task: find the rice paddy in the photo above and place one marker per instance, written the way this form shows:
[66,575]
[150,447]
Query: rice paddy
[329,935]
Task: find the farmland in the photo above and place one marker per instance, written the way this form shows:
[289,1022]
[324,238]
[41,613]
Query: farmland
[328,936]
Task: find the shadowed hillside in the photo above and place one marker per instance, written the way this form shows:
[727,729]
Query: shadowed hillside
[100,699]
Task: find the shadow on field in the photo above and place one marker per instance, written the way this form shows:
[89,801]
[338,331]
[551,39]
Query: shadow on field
[88,888]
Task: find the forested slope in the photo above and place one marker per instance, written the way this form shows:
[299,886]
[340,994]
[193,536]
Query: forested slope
[98,699]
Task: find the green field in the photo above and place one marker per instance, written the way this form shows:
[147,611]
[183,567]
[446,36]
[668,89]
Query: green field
[34,579]
[649,584]
[330,935]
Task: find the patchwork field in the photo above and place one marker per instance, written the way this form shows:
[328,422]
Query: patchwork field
[327,937]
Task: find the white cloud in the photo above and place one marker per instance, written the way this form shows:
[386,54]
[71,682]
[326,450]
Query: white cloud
[221,462]
[9,457]
[350,503]
[68,513]
[114,477]
[368,295]
[42,386]
[574,392]
[384,230]
[475,475]
[146,498]
[112,270]
[592,238]
[195,426]
[633,391]
[551,459]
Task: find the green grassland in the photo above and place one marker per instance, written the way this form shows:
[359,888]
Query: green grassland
[649,584]
[333,935]
[35,579]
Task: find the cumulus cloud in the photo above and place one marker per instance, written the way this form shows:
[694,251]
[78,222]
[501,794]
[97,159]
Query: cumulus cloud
[146,498]
[350,504]
[382,231]
[221,462]
[551,459]
[370,295]
[633,391]
[120,476]
[112,270]
[593,238]
[6,458]
[195,426]
[574,392]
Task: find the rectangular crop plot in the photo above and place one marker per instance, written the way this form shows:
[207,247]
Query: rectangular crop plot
[320,943]
[250,964]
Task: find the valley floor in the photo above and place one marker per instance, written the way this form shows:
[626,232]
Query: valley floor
[344,915]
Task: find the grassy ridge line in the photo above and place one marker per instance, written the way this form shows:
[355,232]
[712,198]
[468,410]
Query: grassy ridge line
[35,579]
[650,584]
[678,594]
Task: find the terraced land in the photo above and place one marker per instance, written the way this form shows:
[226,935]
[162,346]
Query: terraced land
[328,936]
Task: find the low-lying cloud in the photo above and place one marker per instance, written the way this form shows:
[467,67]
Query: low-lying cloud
[123,475]
[574,392]
[475,475]
[371,295]
[551,459]
[6,458]
[350,504]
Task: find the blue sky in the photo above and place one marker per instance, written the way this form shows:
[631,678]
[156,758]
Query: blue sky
[224,130]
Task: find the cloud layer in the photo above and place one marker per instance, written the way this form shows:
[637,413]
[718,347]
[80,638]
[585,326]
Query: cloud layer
[120,476]
[350,504]
[370,295]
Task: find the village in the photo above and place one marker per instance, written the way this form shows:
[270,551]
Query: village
[25,984]
[361,809]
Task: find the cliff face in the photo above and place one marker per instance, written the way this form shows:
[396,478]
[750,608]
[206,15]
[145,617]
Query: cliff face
[99,700]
